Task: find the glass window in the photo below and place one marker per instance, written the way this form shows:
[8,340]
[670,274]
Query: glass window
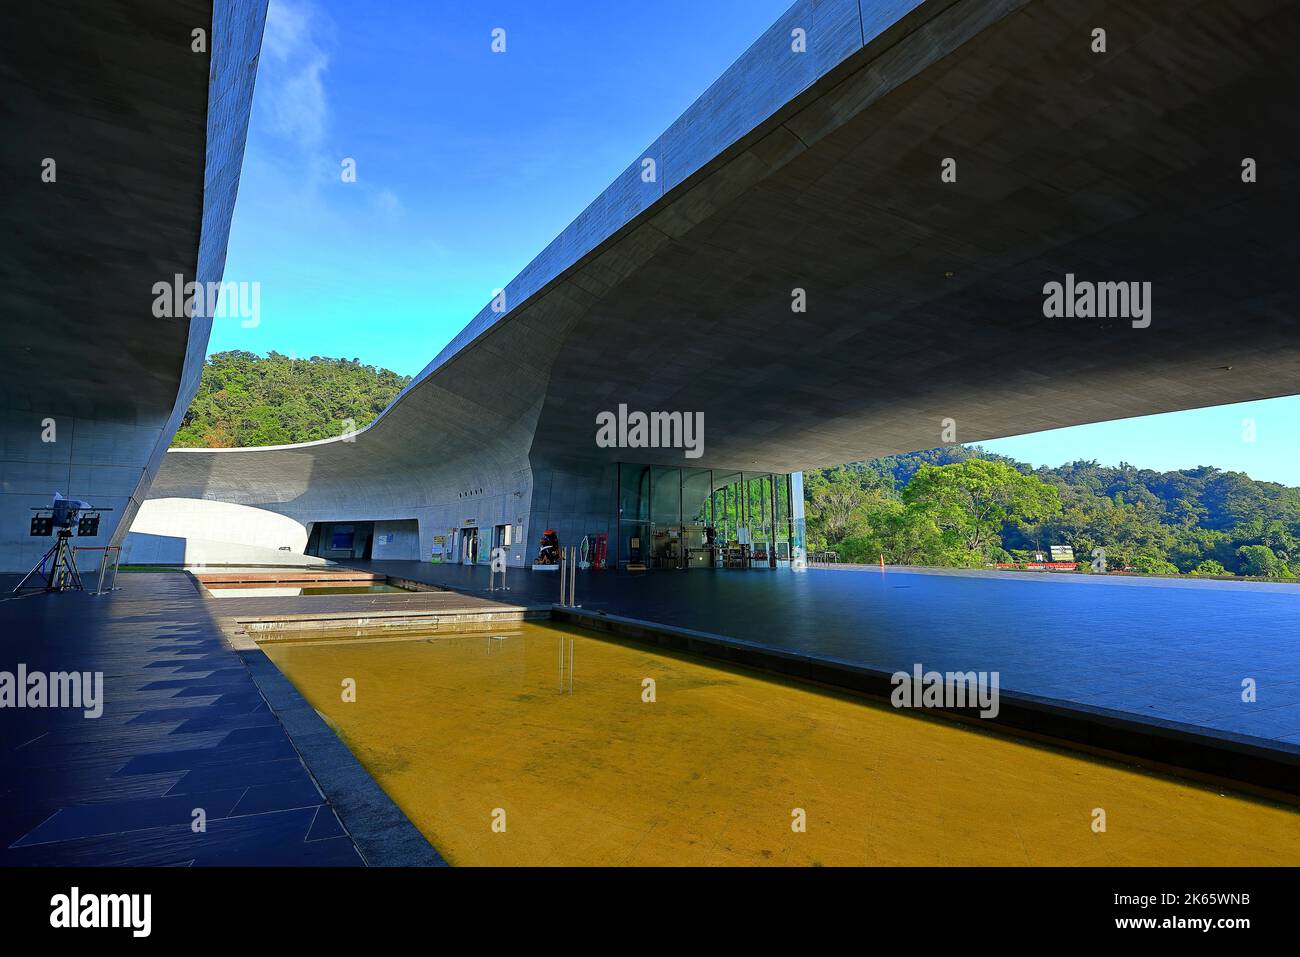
[666,497]
[728,512]
[666,518]
[634,493]
[782,529]
[696,489]
[634,514]
[759,491]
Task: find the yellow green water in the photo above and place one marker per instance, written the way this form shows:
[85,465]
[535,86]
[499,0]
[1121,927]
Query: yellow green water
[474,738]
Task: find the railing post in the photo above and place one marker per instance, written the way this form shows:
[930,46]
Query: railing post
[103,563]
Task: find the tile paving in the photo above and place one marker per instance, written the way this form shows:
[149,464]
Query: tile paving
[186,724]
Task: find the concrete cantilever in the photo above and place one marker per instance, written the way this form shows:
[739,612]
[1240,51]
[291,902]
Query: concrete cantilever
[821,172]
[124,139]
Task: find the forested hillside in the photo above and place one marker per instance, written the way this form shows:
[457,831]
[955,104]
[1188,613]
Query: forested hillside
[961,506]
[246,399]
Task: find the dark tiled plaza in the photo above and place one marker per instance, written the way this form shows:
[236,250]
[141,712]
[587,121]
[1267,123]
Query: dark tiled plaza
[184,727]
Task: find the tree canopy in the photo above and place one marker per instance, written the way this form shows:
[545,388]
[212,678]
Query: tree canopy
[245,400]
[962,506]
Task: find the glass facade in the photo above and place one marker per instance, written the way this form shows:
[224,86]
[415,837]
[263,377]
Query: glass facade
[704,518]
[633,513]
[697,496]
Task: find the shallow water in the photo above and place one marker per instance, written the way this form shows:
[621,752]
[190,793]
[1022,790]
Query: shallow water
[465,732]
[1165,649]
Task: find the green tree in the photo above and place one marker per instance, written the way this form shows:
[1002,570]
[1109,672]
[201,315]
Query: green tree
[1144,519]
[837,505]
[1153,565]
[971,501]
[245,400]
[1259,560]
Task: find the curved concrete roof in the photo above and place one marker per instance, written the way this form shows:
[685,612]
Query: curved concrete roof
[148,138]
[820,171]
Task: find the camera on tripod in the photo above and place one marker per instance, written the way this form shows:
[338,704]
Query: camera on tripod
[64,513]
[57,569]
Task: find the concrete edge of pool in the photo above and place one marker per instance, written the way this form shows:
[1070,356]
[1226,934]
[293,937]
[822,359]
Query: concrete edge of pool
[384,836]
[382,833]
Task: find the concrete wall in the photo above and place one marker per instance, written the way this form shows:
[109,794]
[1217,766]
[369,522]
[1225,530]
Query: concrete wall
[93,460]
[186,531]
[219,521]
[406,540]
[141,548]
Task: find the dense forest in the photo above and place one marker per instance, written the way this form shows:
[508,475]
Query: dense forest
[953,506]
[246,399]
[961,506]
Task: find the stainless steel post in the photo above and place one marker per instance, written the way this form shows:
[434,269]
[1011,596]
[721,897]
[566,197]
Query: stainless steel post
[103,563]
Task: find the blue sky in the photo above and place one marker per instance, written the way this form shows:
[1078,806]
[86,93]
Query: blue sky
[1261,439]
[468,163]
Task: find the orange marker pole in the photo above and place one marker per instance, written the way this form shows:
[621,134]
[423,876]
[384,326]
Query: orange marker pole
[882,563]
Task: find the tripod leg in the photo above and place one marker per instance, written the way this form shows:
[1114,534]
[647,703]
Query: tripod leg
[73,572]
[37,566]
[57,571]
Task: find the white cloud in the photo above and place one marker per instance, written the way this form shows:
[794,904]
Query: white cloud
[291,83]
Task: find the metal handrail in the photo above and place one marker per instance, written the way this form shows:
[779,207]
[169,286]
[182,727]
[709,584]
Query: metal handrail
[116,552]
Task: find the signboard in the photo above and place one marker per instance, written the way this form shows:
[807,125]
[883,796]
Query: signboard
[1062,553]
[439,547]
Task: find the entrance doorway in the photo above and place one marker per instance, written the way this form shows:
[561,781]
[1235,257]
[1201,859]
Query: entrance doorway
[501,537]
[340,541]
[469,545]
